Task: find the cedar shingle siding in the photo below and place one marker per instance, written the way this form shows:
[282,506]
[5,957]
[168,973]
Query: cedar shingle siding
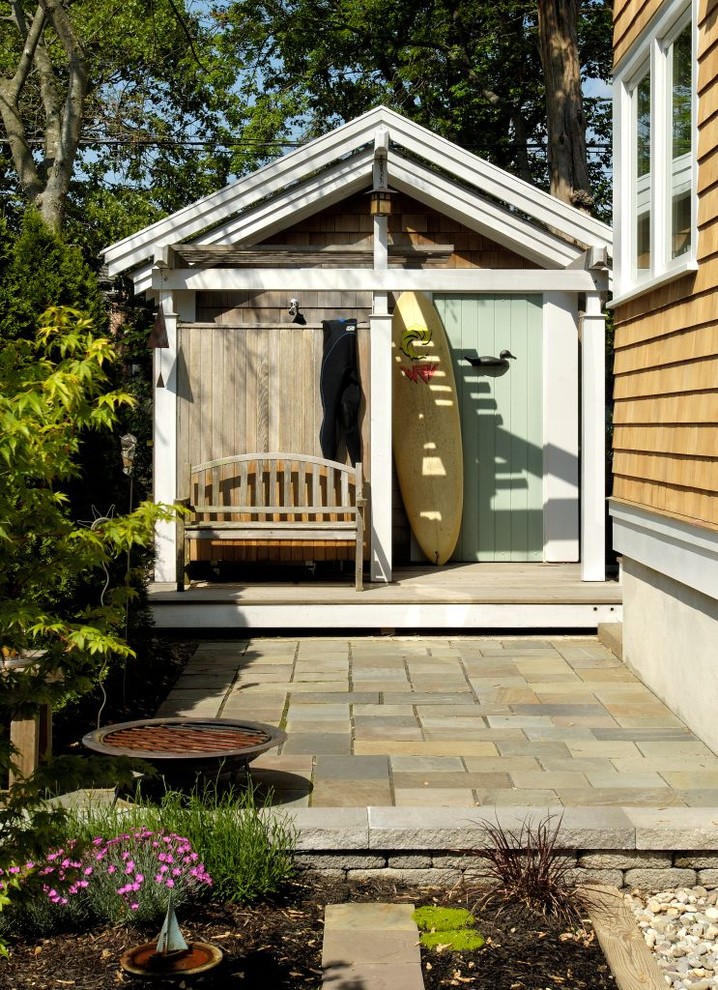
[666,341]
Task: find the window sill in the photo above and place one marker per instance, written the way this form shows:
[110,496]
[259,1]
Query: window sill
[640,288]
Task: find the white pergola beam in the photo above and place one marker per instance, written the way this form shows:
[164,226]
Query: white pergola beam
[506,280]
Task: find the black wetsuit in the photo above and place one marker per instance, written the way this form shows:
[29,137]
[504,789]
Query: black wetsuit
[340,389]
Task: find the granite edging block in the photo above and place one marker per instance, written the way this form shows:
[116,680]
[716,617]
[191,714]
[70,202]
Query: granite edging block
[329,828]
[675,828]
[452,828]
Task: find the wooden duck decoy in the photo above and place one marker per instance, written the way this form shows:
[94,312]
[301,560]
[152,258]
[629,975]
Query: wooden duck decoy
[488,361]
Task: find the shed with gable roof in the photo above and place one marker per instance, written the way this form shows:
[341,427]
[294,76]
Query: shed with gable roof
[246,277]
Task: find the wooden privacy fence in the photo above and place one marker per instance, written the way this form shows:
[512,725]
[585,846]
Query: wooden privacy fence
[273,498]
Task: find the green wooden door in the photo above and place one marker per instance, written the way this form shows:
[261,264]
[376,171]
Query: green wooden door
[501,421]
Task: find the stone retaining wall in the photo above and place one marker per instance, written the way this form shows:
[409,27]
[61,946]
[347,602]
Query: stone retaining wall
[633,848]
[642,870]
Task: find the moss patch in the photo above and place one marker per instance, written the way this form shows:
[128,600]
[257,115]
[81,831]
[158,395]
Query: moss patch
[447,927]
[442,919]
[460,940]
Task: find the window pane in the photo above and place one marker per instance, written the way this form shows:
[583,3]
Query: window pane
[682,129]
[642,104]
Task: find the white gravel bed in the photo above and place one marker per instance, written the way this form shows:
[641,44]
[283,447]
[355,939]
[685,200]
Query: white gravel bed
[681,927]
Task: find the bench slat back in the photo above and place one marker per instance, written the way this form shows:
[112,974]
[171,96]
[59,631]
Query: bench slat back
[272,487]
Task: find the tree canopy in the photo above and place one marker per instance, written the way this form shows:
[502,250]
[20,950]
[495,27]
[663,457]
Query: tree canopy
[99,97]
[117,113]
[53,389]
[472,72]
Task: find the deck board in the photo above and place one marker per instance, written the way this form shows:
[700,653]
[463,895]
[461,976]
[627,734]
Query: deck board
[521,595]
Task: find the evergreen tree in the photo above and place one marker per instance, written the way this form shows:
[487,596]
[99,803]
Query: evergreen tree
[38,269]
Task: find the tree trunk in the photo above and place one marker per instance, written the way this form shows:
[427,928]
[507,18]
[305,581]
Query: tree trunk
[558,41]
[45,184]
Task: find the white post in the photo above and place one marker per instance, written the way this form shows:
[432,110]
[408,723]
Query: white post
[593,446]
[165,441]
[381,456]
[380,424]
[560,426]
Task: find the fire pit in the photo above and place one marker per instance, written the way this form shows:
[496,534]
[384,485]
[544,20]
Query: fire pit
[182,748]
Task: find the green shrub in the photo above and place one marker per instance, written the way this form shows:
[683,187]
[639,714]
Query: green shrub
[121,860]
[247,849]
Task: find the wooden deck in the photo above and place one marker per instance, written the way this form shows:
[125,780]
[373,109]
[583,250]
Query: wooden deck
[456,597]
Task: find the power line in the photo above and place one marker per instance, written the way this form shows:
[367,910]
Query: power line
[175,143]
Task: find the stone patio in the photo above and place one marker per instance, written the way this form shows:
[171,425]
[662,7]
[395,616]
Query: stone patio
[450,722]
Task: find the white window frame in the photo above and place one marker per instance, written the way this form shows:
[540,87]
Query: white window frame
[651,51]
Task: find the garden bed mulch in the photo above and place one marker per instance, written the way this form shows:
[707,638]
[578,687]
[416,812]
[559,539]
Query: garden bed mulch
[278,945]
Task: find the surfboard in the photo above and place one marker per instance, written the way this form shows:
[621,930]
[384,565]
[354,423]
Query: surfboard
[426,432]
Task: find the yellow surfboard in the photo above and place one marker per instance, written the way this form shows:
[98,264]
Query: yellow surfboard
[426,433]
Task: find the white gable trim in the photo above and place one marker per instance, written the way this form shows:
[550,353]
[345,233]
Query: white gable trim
[212,209]
[477,213]
[276,180]
[495,182]
[415,180]
[300,201]
[347,177]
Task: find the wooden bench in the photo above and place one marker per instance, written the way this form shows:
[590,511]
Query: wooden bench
[273,497]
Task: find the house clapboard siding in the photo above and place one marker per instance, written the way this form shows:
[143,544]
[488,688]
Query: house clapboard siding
[666,340]
[629,19]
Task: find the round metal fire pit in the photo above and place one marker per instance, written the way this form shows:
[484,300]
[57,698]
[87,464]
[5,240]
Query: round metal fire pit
[182,747]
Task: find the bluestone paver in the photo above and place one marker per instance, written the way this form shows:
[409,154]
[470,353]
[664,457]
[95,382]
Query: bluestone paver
[450,721]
